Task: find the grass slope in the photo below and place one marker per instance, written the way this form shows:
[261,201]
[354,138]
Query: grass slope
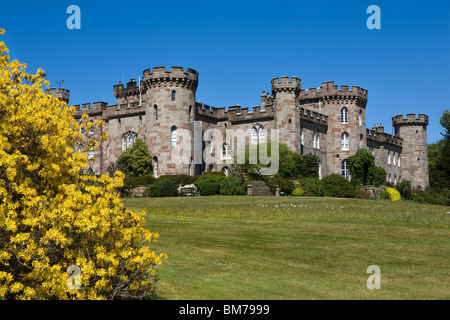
[298,247]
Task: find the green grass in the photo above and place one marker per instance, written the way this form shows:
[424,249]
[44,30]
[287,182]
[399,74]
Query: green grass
[298,247]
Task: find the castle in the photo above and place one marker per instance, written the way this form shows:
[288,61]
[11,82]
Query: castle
[327,121]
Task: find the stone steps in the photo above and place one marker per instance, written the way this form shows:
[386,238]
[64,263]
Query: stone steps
[260,188]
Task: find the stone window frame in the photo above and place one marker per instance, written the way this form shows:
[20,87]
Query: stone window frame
[344,115]
[345,141]
[173,136]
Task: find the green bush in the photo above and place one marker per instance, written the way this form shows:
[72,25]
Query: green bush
[139,181]
[385,195]
[297,192]
[285,185]
[163,188]
[215,173]
[337,186]
[313,187]
[404,187]
[182,179]
[231,186]
[209,184]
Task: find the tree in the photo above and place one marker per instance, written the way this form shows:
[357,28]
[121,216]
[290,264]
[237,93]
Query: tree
[439,153]
[52,218]
[136,161]
[361,166]
[311,167]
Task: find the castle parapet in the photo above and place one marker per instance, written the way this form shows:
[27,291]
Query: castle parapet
[286,84]
[410,119]
[174,77]
[329,90]
[60,93]
[313,116]
[234,113]
[383,138]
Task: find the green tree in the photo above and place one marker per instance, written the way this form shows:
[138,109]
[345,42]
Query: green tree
[136,161]
[311,167]
[361,166]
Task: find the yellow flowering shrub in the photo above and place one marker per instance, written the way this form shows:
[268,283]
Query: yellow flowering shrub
[51,216]
[392,194]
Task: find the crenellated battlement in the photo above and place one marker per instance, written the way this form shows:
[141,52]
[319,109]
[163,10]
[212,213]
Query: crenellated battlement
[331,91]
[285,84]
[410,119]
[90,108]
[234,113]
[159,76]
[382,137]
[313,116]
[60,93]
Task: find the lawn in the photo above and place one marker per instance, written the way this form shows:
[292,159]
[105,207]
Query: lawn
[298,247]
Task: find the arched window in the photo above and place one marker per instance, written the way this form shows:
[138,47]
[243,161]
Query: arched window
[399,161]
[395,179]
[258,134]
[302,137]
[393,159]
[320,169]
[389,157]
[119,122]
[418,162]
[174,95]
[128,139]
[190,114]
[254,135]
[173,136]
[190,166]
[140,121]
[361,140]
[390,177]
[262,135]
[91,131]
[155,167]
[345,142]
[345,170]
[155,109]
[344,115]
[417,134]
[226,151]
[360,117]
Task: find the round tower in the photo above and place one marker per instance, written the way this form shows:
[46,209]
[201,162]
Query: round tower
[346,111]
[170,108]
[285,93]
[414,155]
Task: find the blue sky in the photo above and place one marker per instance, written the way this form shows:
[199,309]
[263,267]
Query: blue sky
[240,46]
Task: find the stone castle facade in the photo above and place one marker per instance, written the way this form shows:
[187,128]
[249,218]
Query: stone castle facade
[327,121]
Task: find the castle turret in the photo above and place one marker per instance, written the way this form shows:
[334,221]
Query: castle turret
[170,106]
[285,93]
[62,94]
[414,156]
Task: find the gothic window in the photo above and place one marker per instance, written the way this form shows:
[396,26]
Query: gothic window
[262,134]
[345,170]
[395,179]
[344,115]
[390,177]
[254,135]
[314,139]
[226,151]
[173,95]
[128,139]
[345,142]
[140,121]
[317,140]
[173,136]
[90,171]
[91,131]
[258,134]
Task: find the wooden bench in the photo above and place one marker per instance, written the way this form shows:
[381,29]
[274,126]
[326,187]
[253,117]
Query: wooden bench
[186,191]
